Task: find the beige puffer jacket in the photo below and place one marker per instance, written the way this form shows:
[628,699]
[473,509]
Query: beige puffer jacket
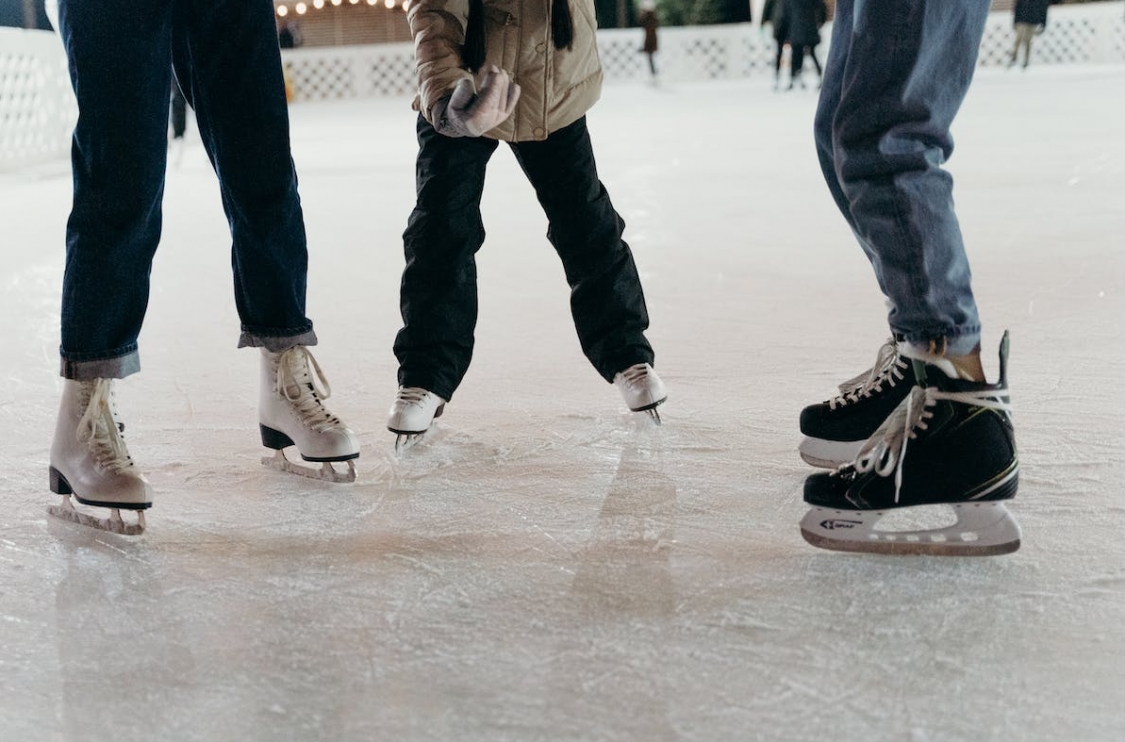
[557,86]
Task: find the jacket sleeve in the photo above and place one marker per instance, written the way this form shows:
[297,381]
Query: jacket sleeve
[438,29]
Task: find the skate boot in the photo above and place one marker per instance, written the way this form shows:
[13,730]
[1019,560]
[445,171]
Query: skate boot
[412,414]
[642,389]
[89,461]
[291,412]
[835,430]
[950,442]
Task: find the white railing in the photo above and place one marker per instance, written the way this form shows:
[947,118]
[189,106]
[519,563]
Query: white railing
[37,110]
[1075,33]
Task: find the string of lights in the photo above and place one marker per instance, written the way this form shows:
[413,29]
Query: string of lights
[303,8]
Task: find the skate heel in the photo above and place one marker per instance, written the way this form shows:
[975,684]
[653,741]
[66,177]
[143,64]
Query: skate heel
[58,482]
[274,439]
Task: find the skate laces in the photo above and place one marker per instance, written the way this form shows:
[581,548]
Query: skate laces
[635,375]
[411,395]
[98,428]
[888,368]
[885,451]
[293,367]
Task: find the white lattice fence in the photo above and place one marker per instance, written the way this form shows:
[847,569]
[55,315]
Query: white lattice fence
[37,109]
[1075,33]
[324,73]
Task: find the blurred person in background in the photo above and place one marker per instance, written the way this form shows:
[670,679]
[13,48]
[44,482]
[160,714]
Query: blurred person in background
[650,22]
[805,19]
[1029,17]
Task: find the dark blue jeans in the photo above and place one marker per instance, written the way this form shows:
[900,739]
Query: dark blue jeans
[225,53]
[439,285]
[895,77]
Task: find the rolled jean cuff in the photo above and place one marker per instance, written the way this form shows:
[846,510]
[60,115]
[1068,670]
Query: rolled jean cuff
[275,343]
[954,344]
[115,367]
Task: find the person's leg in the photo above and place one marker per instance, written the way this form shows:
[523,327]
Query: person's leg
[904,75]
[438,296]
[606,299]
[119,56]
[1025,33]
[229,67]
[777,64]
[796,63]
[834,430]
[906,69]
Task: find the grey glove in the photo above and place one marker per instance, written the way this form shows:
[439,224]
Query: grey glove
[467,114]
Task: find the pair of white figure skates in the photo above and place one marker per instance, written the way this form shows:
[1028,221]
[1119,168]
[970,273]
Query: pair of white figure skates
[415,408]
[90,462]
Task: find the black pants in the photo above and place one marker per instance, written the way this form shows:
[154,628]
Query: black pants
[797,61]
[439,285]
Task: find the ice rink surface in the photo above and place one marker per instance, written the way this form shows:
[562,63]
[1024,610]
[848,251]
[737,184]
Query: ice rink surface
[547,566]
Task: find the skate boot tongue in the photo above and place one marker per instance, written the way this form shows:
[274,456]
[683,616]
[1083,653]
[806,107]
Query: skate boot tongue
[98,427]
[291,412]
[301,381]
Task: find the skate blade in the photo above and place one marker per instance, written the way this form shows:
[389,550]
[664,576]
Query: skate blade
[326,473]
[651,411]
[982,529]
[406,441]
[114,523]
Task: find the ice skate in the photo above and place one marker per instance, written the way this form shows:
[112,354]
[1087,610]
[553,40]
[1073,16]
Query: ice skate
[834,431]
[951,443]
[642,389]
[291,412]
[412,414]
[90,463]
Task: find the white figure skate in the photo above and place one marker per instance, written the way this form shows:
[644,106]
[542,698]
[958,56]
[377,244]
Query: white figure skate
[412,414]
[642,389]
[90,463]
[291,412]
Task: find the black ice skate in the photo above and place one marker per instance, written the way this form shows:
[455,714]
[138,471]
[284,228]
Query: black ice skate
[836,430]
[949,442]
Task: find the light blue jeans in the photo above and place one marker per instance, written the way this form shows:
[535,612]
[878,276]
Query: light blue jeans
[896,74]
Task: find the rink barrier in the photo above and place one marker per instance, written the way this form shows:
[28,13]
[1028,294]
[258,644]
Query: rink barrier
[1090,33]
[37,110]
